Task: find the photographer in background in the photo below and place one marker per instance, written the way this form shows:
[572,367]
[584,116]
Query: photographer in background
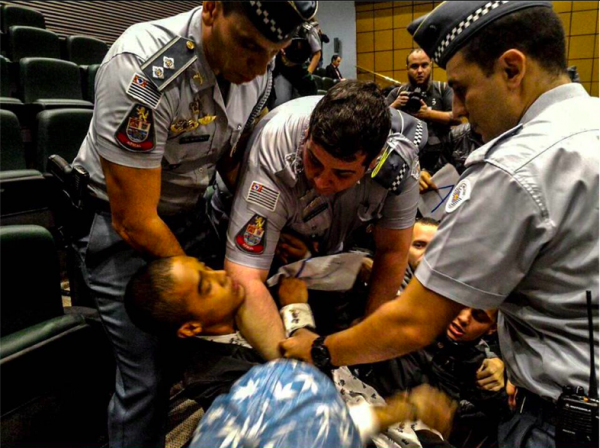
[427,100]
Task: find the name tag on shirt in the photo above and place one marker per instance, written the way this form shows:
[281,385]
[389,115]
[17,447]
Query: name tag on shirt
[194,139]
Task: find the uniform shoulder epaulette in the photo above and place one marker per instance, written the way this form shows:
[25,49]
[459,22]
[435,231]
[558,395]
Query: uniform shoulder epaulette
[169,62]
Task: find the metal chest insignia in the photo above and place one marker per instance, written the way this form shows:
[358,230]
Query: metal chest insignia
[136,131]
[251,237]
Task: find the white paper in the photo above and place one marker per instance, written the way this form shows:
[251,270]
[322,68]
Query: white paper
[433,203]
[330,273]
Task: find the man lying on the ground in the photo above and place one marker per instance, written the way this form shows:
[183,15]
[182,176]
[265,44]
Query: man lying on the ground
[181,296]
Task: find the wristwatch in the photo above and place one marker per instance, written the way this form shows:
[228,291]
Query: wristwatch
[320,355]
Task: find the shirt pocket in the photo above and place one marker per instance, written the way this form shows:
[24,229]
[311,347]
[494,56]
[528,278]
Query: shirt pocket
[315,219]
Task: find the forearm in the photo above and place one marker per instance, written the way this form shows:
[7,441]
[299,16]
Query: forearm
[386,279]
[314,62]
[441,117]
[401,326]
[152,237]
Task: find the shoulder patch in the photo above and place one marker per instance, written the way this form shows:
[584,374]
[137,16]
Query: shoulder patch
[262,195]
[461,193]
[136,131]
[141,89]
[251,237]
[169,62]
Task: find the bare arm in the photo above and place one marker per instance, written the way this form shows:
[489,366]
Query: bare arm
[391,257]
[314,62]
[436,116]
[401,326]
[258,318]
[134,194]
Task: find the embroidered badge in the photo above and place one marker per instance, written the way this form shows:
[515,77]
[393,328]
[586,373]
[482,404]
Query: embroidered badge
[136,131]
[251,238]
[158,72]
[143,90]
[461,193]
[262,195]
[416,170]
[168,63]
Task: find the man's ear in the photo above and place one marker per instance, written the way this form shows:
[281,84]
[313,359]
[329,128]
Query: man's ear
[513,64]
[189,329]
[209,12]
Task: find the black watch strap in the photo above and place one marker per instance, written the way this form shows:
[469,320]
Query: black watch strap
[320,355]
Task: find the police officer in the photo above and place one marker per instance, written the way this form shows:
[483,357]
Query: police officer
[172,98]
[521,227]
[310,171]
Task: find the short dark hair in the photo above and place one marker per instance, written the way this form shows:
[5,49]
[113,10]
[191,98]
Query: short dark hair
[426,221]
[536,31]
[232,6]
[351,118]
[334,57]
[150,302]
[416,50]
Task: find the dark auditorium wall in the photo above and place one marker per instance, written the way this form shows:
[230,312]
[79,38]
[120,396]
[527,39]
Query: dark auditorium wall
[382,42]
[105,19]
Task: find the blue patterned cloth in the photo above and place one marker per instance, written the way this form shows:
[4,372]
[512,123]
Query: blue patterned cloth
[282,404]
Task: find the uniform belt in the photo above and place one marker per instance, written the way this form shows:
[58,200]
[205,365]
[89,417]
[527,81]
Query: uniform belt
[534,404]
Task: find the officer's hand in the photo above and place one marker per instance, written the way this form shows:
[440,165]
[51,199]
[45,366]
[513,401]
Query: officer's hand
[292,290]
[425,183]
[291,248]
[400,100]
[490,375]
[299,345]
[433,407]
[423,112]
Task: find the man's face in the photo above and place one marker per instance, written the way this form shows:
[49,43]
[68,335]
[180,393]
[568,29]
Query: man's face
[235,48]
[422,236]
[419,68]
[212,296]
[482,99]
[328,175]
[471,324]
[337,62]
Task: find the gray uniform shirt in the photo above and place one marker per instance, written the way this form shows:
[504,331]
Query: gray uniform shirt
[274,194]
[187,158]
[521,234]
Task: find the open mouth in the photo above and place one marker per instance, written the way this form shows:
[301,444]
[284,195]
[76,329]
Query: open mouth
[456,330]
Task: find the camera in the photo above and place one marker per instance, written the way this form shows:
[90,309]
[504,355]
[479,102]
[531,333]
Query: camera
[414,100]
[577,419]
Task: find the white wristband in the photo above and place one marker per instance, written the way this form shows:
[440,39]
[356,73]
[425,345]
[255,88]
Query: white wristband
[364,419]
[296,316]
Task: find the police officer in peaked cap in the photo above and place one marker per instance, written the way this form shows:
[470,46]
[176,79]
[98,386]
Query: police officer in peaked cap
[172,98]
[520,231]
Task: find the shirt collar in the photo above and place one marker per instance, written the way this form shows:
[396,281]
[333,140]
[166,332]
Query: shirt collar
[201,65]
[556,95]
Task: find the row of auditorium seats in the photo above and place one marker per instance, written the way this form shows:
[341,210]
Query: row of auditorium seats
[44,83]
[57,131]
[55,363]
[324,83]
[24,34]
